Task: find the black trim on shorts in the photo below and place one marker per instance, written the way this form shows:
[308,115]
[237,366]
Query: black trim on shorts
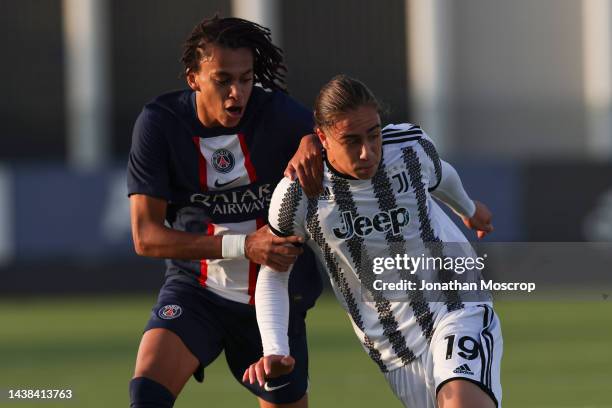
[485,376]
[480,385]
[485,361]
[487,337]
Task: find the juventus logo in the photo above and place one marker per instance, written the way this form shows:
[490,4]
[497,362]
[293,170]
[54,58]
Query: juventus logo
[402,179]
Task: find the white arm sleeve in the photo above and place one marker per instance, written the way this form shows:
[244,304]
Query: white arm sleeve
[285,217]
[272,307]
[451,191]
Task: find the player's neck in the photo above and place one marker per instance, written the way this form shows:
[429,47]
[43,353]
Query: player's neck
[335,171]
[201,113]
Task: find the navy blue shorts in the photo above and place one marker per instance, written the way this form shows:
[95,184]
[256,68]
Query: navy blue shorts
[209,324]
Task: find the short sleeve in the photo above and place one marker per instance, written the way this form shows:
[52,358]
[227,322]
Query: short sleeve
[288,209]
[409,136]
[148,163]
[293,120]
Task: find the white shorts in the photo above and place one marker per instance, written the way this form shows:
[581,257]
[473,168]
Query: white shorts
[466,344]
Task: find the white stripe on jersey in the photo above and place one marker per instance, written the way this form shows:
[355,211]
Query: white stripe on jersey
[229,278]
[393,333]
[226,168]
[214,150]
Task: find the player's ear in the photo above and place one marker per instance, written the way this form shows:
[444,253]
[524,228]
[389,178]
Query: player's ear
[192,80]
[322,137]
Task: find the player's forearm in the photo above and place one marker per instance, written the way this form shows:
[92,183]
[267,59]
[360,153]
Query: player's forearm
[451,191]
[272,306]
[158,241]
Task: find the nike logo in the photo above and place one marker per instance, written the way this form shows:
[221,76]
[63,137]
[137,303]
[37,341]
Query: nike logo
[219,185]
[268,388]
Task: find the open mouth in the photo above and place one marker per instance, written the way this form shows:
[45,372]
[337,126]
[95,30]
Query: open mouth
[234,111]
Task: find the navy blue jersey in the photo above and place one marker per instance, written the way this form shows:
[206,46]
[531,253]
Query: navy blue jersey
[217,180]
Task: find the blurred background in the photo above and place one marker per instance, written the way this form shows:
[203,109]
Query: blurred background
[516,94]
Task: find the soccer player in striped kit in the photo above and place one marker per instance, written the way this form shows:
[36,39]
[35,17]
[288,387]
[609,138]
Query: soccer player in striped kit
[377,201]
[202,168]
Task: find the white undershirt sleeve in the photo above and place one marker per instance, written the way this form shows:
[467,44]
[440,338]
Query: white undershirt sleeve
[451,191]
[272,307]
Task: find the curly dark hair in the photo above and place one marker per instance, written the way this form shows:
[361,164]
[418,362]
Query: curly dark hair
[268,66]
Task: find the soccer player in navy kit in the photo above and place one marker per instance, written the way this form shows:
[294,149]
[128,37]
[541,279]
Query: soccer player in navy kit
[202,168]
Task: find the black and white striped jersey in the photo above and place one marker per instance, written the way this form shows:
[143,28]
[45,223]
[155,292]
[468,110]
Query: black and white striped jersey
[353,221]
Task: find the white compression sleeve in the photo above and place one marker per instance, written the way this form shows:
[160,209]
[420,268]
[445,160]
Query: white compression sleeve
[272,306]
[451,191]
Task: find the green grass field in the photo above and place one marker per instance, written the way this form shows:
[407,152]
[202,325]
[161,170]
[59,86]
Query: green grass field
[555,355]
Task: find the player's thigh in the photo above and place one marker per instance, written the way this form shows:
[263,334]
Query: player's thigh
[466,348]
[182,336]
[460,393]
[164,358]
[412,385]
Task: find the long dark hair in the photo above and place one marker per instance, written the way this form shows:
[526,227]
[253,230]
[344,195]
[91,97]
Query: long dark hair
[268,67]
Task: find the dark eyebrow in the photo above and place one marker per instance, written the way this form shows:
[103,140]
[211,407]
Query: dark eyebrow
[374,127]
[227,74]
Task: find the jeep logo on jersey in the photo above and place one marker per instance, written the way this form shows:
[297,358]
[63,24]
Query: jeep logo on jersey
[170,312]
[223,160]
[383,221]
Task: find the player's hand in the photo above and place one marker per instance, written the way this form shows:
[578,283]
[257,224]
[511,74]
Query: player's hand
[307,164]
[268,367]
[480,221]
[265,248]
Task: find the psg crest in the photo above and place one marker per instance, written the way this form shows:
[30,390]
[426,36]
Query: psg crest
[223,160]
[170,312]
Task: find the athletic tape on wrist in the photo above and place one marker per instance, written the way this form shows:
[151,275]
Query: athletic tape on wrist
[232,246]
